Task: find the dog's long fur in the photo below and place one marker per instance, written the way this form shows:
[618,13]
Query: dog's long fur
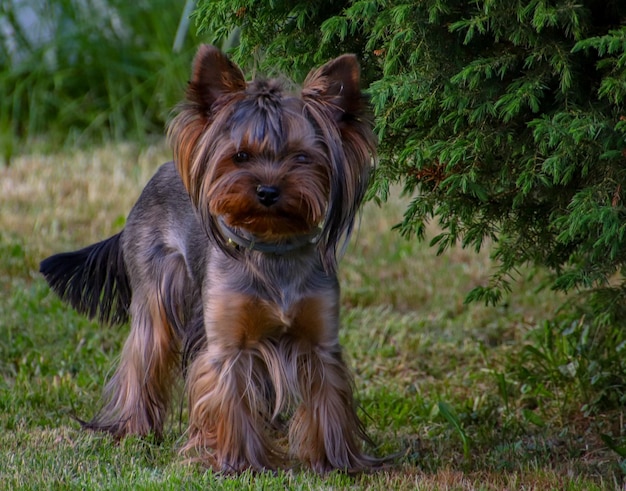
[228,260]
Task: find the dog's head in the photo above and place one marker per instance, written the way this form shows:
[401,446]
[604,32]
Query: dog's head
[272,165]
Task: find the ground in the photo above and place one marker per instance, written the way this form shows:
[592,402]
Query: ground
[440,383]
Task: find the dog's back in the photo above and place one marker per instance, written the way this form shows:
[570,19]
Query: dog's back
[162,243]
[97,280]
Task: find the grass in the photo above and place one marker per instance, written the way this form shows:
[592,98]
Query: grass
[441,383]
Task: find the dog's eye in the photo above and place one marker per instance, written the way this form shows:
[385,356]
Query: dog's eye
[302,158]
[241,157]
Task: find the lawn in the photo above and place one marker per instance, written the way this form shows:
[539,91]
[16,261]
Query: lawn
[447,387]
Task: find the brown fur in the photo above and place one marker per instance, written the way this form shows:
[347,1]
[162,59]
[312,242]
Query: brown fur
[138,394]
[228,262]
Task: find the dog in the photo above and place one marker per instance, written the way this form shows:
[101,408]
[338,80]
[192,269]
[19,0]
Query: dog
[227,270]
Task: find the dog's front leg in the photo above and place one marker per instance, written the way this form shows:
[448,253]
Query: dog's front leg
[325,431]
[228,404]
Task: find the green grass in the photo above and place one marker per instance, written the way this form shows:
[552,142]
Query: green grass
[468,397]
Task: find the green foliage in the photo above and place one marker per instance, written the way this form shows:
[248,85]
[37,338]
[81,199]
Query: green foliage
[280,37]
[504,120]
[88,70]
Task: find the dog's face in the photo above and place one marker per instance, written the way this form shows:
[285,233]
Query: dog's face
[269,175]
[270,163]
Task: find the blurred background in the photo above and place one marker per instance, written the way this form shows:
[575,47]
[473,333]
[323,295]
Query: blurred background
[90,70]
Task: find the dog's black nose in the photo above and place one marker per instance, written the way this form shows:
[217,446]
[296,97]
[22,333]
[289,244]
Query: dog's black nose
[268,195]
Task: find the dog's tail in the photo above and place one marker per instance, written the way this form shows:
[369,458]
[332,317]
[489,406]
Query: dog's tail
[93,280]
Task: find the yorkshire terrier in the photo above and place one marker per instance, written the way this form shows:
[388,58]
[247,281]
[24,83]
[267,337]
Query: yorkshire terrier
[227,266]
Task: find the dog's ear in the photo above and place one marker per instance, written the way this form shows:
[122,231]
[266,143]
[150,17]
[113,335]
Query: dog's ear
[338,85]
[213,75]
[332,93]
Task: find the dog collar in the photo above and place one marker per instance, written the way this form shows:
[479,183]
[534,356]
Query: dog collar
[240,238]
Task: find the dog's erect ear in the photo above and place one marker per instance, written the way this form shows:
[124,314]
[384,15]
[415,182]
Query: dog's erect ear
[213,75]
[332,93]
[338,83]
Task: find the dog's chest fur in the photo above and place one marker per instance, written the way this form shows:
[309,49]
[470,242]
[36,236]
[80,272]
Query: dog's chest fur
[267,295]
